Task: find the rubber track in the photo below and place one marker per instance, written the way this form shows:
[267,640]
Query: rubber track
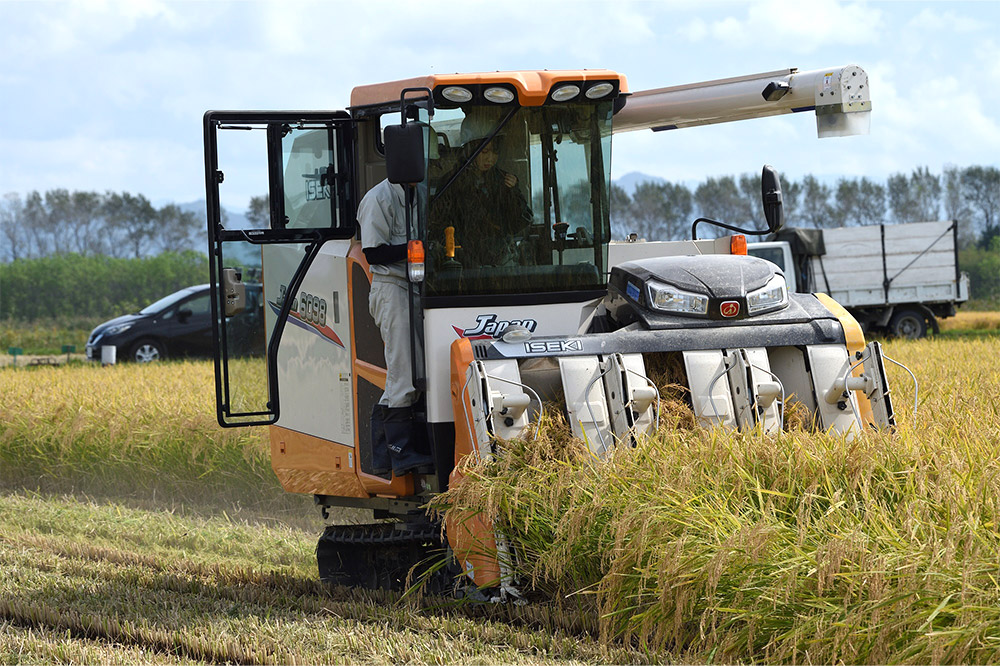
[382,555]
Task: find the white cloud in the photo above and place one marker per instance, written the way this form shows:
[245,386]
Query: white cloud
[934,21]
[796,26]
[695,30]
[159,169]
[987,53]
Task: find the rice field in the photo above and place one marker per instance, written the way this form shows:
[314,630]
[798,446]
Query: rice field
[134,529]
[970,321]
[800,548]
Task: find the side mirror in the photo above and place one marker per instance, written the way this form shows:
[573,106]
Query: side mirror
[770,191]
[183,315]
[404,153]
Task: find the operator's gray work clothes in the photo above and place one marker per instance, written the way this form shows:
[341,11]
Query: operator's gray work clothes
[382,215]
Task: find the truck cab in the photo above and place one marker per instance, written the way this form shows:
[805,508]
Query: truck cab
[778,253]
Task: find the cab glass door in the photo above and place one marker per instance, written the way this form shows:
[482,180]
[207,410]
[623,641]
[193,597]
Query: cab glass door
[279,179]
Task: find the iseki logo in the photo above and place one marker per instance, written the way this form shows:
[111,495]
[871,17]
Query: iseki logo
[729,308]
[488,326]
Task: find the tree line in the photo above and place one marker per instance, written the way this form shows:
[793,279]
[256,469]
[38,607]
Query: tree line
[86,233]
[111,224]
[73,286]
[664,211]
[125,225]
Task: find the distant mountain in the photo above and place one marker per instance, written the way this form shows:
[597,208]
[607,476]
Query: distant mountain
[233,220]
[629,181]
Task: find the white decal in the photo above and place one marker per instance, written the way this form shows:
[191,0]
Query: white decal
[550,346]
[488,326]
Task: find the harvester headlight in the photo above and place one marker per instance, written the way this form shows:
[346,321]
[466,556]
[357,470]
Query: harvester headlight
[599,90]
[671,299]
[565,93]
[456,94]
[516,333]
[498,95]
[772,295]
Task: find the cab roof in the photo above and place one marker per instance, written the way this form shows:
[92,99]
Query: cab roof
[532,86]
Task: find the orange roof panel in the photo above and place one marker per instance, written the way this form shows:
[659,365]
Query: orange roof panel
[532,86]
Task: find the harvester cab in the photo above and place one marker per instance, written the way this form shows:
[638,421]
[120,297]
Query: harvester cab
[518,301]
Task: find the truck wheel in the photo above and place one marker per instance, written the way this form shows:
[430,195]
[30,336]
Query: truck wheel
[147,350]
[910,324]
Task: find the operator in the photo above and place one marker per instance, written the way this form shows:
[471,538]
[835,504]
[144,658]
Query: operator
[486,207]
[382,216]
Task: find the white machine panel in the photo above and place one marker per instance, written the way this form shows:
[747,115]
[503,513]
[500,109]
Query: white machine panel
[755,391]
[632,398]
[790,366]
[829,363]
[507,401]
[586,404]
[314,359]
[710,394]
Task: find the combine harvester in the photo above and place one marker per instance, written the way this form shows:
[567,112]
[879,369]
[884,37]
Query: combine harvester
[550,321]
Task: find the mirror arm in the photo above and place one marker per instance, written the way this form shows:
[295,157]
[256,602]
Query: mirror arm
[402,103]
[694,228]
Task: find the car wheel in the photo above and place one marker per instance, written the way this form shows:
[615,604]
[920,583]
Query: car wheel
[910,324]
[147,350]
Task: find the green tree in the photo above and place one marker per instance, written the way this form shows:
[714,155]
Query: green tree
[791,195]
[915,198]
[859,202]
[753,212]
[659,211]
[720,199]
[983,266]
[177,229]
[33,217]
[981,192]
[15,240]
[132,222]
[621,204]
[816,210]
[259,212]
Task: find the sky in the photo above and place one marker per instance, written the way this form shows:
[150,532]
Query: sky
[109,96]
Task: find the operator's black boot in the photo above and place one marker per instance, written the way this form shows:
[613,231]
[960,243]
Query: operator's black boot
[381,462]
[407,442]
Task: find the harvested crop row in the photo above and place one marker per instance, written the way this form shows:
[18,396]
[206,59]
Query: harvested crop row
[156,593]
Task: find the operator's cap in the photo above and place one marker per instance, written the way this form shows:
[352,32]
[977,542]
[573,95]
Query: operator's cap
[478,123]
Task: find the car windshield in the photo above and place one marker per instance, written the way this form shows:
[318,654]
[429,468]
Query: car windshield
[518,199]
[166,301]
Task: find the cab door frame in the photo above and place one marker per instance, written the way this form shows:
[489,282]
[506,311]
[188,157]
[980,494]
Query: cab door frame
[342,137]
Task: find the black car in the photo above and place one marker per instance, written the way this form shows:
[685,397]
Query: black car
[180,325]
